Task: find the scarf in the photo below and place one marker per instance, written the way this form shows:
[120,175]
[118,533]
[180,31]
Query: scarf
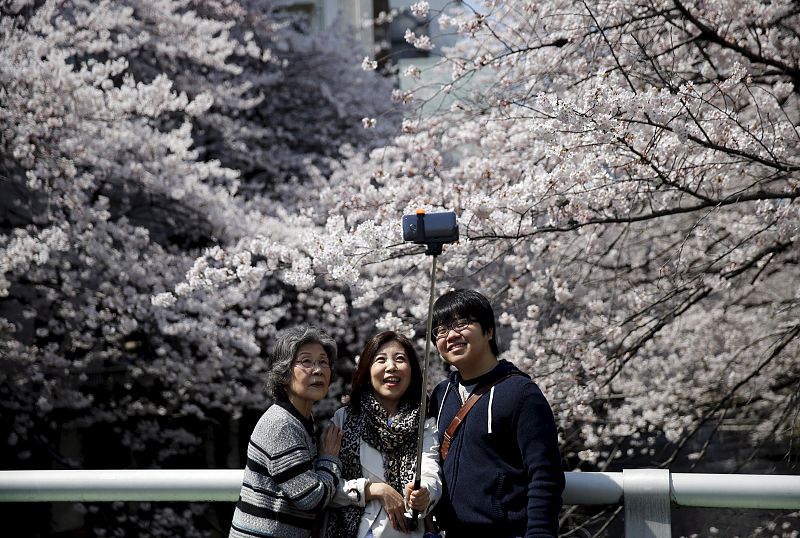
[397,443]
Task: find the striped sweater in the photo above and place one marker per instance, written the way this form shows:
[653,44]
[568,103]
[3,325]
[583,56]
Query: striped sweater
[283,491]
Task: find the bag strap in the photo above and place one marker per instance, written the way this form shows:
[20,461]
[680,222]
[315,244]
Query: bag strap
[462,413]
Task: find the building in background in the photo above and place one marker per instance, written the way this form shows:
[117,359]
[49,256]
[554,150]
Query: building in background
[345,14]
[386,40]
[381,26]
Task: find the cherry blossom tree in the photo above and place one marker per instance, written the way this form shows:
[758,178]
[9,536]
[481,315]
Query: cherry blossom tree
[626,176]
[136,136]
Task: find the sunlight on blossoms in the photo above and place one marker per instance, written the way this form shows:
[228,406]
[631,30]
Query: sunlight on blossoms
[164,299]
[390,322]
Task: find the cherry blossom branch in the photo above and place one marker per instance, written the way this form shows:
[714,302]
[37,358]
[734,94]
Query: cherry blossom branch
[708,33]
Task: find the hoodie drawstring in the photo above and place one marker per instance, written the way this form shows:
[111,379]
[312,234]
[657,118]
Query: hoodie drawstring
[439,414]
[489,420]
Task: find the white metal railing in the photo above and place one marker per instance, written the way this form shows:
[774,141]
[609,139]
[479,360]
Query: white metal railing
[647,494]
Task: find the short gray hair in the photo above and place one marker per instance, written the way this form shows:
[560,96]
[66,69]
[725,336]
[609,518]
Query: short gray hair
[285,351]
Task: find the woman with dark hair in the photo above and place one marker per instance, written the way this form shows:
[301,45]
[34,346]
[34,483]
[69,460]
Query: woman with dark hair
[379,446]
[286,486]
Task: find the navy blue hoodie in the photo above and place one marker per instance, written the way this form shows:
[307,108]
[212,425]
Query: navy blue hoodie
[503,475]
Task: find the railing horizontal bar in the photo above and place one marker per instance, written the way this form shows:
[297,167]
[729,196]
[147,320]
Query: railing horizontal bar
[593,488]
[121,485]
[736,490]
[687,489]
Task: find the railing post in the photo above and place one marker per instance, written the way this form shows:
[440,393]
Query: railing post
[646,494]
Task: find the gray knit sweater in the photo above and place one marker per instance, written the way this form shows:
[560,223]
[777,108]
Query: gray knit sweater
[283,490]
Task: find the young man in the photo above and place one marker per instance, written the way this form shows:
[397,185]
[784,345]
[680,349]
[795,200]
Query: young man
[502,473]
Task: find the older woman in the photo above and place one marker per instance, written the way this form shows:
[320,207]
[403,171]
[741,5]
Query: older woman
[286,486]
[380,443]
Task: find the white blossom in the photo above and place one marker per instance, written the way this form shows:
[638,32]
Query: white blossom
[422,42]
[412,71]
[420,9]
[368,64]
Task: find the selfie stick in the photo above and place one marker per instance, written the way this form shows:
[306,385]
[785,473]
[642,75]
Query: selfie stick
[423,393]
[432,249]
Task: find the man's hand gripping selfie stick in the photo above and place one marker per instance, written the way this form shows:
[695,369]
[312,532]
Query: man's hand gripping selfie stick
[433,231]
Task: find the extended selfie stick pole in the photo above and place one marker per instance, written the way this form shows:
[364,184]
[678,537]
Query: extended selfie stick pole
[423,399]
[433,231]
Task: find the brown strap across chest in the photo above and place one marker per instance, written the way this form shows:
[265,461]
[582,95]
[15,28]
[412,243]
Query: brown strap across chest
[462,412]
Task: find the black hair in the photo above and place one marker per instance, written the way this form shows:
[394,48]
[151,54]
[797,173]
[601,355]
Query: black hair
[362,383]
[469,304]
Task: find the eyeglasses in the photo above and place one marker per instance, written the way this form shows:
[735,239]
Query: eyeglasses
[457,325]
[308,365]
